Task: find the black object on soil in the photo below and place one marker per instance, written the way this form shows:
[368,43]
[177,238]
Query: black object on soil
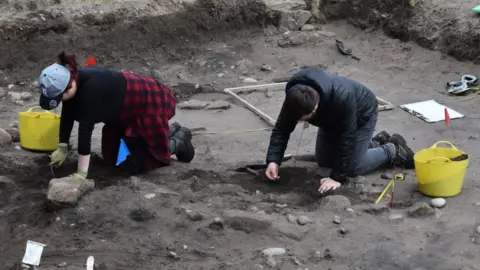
[141,215]
[462,157]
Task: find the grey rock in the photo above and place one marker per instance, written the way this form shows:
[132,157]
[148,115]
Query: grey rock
[173,255]
[249,80]
[68,190]
[25,96]
[288,5]
[5,138]
[303,220]
[292,219]
[14,133]
[293,20]
[257,267]
[244,66]
[420,209]
[165,191]
[271,262]
[290,230]
[374,209]
[478,230]
[335,202]
[350,210]
[62,264]
[220,75]
[217,224]
[193,215]
[219,105]
[274,251]
[291,198]
[247,221]
[308,27]
[395,218]
[337,220]
[3,92]
[193,104]
[342,230]
[266,68]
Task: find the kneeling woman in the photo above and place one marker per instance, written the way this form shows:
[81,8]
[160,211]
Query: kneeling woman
[133,107]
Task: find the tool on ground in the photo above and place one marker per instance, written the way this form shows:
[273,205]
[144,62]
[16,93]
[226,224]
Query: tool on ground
[252,169]
[345,51]
[462,87]
[396,177]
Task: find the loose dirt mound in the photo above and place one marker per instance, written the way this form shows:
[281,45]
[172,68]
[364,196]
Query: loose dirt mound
[438,25]
[35,38]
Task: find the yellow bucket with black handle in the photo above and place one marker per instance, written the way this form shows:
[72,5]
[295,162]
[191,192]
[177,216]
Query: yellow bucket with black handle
[39,131]
[441,171]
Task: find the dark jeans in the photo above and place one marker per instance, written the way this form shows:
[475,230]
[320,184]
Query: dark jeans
[366,157]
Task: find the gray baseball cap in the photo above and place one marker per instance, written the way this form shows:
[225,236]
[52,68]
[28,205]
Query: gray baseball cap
[53,81]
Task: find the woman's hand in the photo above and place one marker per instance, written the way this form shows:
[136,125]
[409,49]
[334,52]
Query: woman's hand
[327,184]
[272,171]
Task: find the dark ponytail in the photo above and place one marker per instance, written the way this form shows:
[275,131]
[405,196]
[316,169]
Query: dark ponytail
[70,62]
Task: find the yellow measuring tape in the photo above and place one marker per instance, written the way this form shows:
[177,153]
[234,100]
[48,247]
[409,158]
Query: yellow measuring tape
[396,177]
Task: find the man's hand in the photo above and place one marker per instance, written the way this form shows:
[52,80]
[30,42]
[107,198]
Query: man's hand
[272,171]
[327,184]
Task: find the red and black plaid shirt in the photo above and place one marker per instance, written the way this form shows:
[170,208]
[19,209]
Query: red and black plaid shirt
[147,108]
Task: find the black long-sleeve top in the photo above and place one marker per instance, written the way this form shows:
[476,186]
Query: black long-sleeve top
[99,99]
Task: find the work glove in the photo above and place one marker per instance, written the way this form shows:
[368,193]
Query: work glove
[79,175]
[58,156]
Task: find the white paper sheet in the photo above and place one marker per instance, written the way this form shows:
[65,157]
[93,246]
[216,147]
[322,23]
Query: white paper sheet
[33,253]
[430,111]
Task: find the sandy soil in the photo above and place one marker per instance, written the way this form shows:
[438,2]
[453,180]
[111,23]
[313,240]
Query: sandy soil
[124,229]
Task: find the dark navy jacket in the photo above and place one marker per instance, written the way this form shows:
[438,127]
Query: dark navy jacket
[345,106]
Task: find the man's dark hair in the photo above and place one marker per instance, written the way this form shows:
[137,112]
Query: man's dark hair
[301,100]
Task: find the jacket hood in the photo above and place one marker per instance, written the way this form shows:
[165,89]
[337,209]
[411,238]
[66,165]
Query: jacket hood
[315,78]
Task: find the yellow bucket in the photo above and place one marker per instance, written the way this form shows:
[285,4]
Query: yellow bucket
[437,174]
[39,130]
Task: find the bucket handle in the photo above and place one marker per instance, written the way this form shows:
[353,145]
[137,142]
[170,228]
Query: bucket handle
[446,160]
[435,145]
[38,107]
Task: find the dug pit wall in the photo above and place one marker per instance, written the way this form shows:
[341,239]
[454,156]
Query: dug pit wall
[34,39]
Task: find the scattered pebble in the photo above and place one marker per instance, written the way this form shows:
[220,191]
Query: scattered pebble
[296,261]
[303,220]
[283,205]
[10,86]
[62,264]
[249,80]
[3,92]
[220,75]
[343,230]
[337,220]
[149,196]
[478,230]
[258,193]
[193,215]
[266,68]
[274,251]
[173,255]
[292,219]
[438,202]
[244,66]
[258,267]
[216,224]
[350,210]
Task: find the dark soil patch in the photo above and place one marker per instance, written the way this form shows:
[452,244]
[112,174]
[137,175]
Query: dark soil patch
[141,215]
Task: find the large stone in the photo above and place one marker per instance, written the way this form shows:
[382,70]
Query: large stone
[290,230]
[421,209]
[14,133]
[5,138]
[293,20]
[247,221]
[218,105]
[335,202]
[68,190]
[193,104]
